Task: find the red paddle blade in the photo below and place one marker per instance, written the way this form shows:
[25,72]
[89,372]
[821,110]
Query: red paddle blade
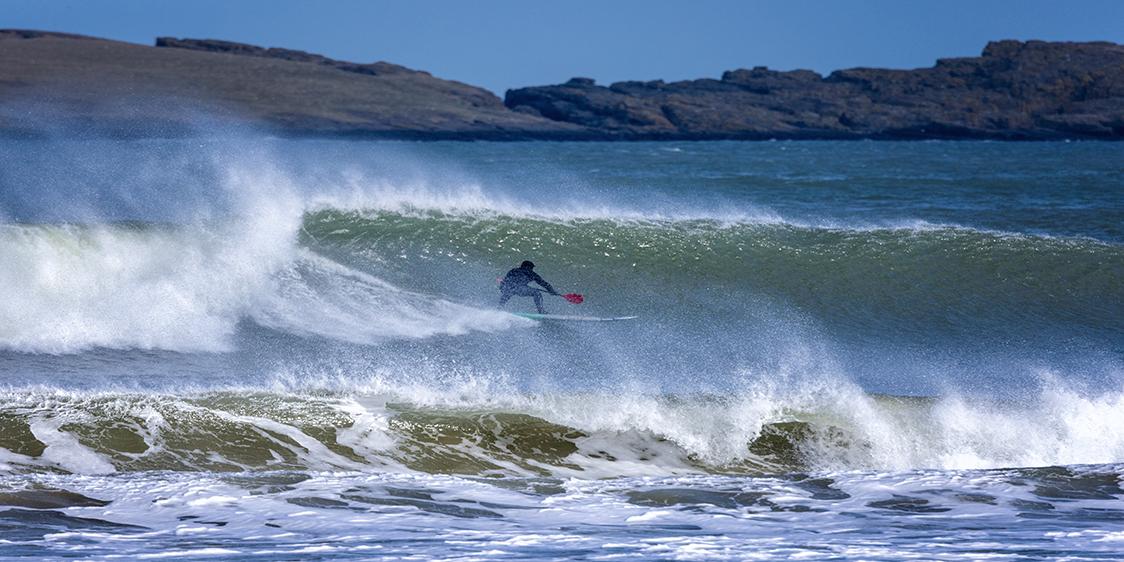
[574,298]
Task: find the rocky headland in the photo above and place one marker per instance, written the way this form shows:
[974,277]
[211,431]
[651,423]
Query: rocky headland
[52,83]
[1015,90]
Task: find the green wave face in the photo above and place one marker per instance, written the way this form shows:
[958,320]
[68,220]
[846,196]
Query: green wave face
[238,432]
[931,282]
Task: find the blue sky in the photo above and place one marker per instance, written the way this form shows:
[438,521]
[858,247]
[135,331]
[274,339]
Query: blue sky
[505,44]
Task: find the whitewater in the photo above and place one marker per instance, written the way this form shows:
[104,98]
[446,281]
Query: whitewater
[247,348]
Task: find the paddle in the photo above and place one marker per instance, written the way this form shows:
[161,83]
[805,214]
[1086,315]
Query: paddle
[574,298]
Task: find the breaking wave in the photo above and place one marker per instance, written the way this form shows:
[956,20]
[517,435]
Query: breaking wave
[363,276]
[817,427]
[282,277]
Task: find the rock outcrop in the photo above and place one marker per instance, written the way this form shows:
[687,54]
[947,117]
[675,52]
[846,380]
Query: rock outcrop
[1015,90]
[53,83]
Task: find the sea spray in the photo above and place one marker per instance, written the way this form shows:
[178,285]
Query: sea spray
[185,287]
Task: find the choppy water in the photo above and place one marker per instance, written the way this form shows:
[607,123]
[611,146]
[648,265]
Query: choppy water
[266,349]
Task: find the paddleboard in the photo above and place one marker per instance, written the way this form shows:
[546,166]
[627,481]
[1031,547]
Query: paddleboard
[564,318]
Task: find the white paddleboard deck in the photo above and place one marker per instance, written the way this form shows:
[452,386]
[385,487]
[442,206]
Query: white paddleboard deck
[564,318]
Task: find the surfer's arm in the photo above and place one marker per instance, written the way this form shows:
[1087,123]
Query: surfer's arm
[542,282]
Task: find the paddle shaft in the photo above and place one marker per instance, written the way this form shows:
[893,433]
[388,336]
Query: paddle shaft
[571,298]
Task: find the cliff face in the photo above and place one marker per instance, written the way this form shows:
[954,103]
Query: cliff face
[1015,90]
[101,87]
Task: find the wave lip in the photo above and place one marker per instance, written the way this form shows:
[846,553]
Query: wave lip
[73,288]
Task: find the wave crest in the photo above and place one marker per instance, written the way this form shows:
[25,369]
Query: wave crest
[557,435]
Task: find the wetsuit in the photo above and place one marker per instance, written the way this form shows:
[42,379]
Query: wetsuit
[516,283]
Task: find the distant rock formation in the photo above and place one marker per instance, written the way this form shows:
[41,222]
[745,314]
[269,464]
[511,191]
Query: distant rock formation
[1016,90]
[70,84]
[54,83]
[229,47]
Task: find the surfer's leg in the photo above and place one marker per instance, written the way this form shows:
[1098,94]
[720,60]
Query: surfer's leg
[504,296]
[524,292]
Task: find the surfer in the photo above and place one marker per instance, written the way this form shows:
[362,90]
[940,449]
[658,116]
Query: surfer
[517,281]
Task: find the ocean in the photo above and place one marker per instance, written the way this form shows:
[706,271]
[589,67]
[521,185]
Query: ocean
[253,348]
